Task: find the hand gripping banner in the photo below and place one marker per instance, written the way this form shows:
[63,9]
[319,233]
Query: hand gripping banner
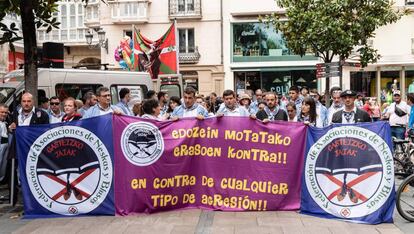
[231,164]
[67,168]
[349,173]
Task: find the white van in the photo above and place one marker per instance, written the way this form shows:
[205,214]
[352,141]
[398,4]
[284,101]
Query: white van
[75,83]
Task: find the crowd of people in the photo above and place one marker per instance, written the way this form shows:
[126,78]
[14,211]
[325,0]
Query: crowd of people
[300,105]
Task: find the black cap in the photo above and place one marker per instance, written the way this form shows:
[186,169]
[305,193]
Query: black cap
[348,93]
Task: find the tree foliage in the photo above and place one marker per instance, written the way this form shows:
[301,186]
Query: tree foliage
[43,13]
[334,27]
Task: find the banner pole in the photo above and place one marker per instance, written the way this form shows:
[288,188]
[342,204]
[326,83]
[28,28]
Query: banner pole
[12,186]
[177,48]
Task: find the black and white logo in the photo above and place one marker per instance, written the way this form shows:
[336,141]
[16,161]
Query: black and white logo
[69,170]
[142,143]
[349,172]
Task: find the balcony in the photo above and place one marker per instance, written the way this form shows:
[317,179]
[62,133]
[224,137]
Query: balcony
[189,57]
[127,12]
[92,13]
[70,37]
[185,9]
[409,3]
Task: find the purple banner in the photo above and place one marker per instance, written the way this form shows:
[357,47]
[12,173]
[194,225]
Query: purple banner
[227,163]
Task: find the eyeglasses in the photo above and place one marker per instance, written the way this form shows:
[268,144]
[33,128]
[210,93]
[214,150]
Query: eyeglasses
[55,103]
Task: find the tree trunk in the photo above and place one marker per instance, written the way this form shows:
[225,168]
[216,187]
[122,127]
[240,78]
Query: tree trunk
[30,47]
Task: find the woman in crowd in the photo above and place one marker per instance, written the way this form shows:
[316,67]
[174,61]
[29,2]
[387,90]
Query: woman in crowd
[245,101]
[291,111]
[308,112]
[376,111]
[70,109]
[151,109]
[174,102]
[137,109]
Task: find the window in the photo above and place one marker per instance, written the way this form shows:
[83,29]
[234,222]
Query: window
[72,16]
[129,9]
[185,5]
[5,94]
[74,90]
[64,18]
[128,33]
[186,40]
[80,16]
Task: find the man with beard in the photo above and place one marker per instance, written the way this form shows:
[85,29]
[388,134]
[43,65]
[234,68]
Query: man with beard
[231,107]
[350,113]
[272,111]
[398,115]
[336,106]
[163,100]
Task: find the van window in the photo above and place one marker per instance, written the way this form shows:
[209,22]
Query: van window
[5,94]
[171,89]
[74,90]
[136,93]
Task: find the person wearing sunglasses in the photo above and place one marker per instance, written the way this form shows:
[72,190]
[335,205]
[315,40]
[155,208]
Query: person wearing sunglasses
[104,104]
[55,113]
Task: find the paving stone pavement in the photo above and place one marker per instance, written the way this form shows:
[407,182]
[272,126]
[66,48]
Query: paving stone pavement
[192,221]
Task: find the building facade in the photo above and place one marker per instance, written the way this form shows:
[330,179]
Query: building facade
[256,56]
[395,68]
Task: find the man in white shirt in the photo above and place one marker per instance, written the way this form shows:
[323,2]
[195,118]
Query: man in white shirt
[104,104]
[189,108]
[124,95]
[398,114]
[336,106]
[231,107]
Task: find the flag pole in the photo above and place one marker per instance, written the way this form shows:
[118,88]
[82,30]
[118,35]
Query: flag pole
[177,48]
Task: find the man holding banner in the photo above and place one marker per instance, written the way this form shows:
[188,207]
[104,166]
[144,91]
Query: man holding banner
[350,113]
[231,108]
[104,104]
[190,108]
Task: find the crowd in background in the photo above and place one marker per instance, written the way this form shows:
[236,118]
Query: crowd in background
[300,105]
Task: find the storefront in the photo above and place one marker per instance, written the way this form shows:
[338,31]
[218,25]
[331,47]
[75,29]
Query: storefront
[276,81]
[380,81]
[261,59]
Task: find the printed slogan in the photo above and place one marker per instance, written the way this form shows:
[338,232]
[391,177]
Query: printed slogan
[224,163]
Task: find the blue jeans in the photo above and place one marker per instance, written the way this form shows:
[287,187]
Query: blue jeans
[398,132]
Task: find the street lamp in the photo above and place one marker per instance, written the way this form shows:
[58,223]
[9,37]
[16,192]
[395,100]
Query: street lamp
[101,37]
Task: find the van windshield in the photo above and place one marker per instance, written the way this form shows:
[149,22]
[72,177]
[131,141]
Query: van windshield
[171,89]
[5,94]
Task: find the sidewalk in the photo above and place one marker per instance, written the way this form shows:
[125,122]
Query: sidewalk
[193,221]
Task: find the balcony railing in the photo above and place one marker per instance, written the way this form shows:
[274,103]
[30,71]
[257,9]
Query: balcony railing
[68,36]
[183,9]
[92,13]
[190,57]
[132,11]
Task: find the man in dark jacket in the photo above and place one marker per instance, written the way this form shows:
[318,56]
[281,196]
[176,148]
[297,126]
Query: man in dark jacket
[28,114]
[272,111]
[350,113]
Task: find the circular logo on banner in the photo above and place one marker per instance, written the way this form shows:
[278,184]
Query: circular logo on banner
[69,170]
[142,143]
[349,172]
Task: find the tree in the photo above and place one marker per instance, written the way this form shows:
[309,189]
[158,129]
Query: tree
[34,14]
[333,28]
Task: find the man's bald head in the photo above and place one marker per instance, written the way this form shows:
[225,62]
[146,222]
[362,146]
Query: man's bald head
[27,102]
